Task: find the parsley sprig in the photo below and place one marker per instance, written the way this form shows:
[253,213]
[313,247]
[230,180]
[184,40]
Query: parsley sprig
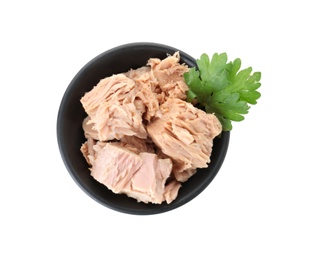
[222,88]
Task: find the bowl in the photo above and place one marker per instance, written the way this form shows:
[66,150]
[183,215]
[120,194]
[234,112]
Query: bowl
[70,134]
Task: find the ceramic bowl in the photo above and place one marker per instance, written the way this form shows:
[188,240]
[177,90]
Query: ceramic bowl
[70,134]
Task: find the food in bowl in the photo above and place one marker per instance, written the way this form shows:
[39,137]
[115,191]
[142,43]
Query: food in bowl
[143,138]
[227,96]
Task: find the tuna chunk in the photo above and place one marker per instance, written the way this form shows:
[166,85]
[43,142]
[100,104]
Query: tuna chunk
[148,184]
[171,190]
[89,129]
[87,150]
[169,73]
[185,134]
[143,76]
[111,109]
[141,176]
[105,90]
[115,166]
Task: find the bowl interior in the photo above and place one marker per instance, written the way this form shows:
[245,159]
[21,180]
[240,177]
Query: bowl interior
[70,134]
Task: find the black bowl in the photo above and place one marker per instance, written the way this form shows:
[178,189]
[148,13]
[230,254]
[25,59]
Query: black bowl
[70,134]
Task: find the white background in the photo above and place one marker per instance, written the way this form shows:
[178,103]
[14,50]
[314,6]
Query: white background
[265,201]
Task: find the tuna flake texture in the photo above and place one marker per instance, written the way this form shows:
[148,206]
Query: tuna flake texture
[185,134]
[143,139]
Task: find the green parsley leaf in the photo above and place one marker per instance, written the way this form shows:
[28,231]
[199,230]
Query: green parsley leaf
[222,88]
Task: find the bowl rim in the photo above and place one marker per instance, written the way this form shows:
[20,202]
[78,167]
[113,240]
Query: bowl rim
[152,210]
